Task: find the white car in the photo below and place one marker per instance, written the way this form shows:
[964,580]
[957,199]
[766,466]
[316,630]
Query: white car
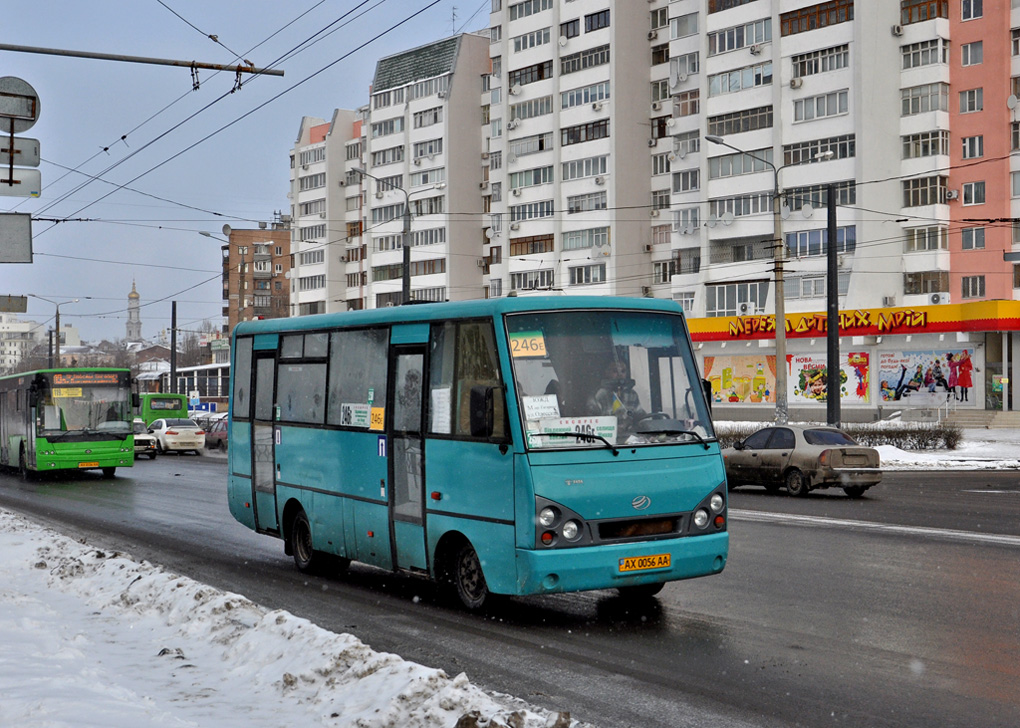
[177,434]
[145,444]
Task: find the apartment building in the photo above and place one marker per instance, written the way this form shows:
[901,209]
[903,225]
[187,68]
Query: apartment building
[256,270]
[637,149]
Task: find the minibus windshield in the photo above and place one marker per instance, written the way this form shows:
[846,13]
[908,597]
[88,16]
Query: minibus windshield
[626,377]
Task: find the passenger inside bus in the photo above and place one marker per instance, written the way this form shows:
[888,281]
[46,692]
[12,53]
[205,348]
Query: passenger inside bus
[616,396]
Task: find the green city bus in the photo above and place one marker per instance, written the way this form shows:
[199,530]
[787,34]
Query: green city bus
[155,405]
[66,419]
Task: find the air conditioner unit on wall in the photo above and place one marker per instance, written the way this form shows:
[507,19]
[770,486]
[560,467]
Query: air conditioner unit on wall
[653,34]
[952,194]
[746,309]
[656,105]
[515,226]
[939,298]
[888,301]
[897,30]
[600,180]
[796,82]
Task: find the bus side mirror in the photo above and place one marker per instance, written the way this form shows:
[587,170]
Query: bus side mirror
[482,411]
[706,387]
[136,400]
[33,397]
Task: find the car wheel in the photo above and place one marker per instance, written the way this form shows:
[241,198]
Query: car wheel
[159,447]
[222,447]
[23,470]
[466,578]
[641,591]
[796,485]
[854,491]
[152,455]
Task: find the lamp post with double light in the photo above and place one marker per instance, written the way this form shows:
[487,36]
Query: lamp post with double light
[779,257]
[406,236]
[56,324]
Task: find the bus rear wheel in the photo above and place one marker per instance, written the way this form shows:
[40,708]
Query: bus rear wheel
[467,580]
[23,470]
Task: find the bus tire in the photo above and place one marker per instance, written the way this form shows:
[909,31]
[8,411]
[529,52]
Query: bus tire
[23,470]
[306,559]
[466,578]
[109,472]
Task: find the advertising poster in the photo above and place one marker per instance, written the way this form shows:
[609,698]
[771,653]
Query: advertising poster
[927,378]
[742,379]
[809,378]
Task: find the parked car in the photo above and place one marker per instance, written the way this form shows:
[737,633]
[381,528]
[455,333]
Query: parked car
[145,444]
[177,434]
[802,459]
[216,435]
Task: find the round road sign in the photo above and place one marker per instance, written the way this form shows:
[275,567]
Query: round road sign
[19,105]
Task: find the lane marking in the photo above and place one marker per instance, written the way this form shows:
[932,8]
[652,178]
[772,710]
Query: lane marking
[820,522]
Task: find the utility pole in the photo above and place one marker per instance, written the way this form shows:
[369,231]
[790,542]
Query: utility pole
[833,386]
[173,347]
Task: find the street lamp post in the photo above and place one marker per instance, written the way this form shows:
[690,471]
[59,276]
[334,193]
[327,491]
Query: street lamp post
[406,236]
[56,324]
[779,257]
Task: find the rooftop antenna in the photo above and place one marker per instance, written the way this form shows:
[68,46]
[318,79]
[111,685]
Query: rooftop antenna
[453,19]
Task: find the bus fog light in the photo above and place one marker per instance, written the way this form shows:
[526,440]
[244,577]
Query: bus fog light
[716,503]
[547,516]
[701,518]
[547,538]
[571,530]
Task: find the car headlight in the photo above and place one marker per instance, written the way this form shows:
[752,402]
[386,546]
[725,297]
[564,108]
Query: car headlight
[716,503]
[547,516]
[571,530]
[701,518]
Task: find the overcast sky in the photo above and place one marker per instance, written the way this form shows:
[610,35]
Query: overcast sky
[152,125]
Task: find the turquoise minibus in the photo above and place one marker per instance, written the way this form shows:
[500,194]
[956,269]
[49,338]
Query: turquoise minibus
[510,446]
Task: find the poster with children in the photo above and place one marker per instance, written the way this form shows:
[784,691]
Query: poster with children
[809,378]
[926,378]
[742,379]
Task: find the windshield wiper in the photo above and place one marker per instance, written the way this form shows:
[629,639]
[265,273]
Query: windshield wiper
[675,431]
[581,436]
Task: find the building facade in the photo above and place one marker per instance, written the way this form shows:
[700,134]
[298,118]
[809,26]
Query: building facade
[256,271]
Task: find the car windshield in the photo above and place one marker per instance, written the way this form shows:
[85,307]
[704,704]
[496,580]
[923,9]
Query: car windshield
[180,422]
[828,437]
[620,377]
[139,427]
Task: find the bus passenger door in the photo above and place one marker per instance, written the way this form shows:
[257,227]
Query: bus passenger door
[262,437]
[407,457]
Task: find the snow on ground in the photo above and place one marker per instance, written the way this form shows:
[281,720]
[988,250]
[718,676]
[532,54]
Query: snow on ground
[92,638]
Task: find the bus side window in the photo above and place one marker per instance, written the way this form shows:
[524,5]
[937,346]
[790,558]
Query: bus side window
[241,399]
[463,359]
[357,373]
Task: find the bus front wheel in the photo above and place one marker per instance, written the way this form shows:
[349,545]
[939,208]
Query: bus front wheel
[109,472]
[306,559]
[467,579]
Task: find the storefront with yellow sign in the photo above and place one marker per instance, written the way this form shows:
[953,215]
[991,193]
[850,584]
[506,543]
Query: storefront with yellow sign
[925,357]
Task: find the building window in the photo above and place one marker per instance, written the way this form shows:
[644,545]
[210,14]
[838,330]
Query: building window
[810,243]
[588,167]
[924,191]
[688,180]
[835,103]
[816,16]
[973,286]
[740,36]
[732,165]
[687,103]
[688,260]
[1015,179]
[973,147]
[921,99]
[686,301]
[530,74]
[660,54]
[596,21]
[660,199]
[973,238]
[971,54]
[740,79]
[662,270]
[582,239]
[933,237]
[531,177]
[925,53]
[723,299]
[971,9]
[684,25]
[571,28]
[926,144]
[973,193]
[531,280]
[1015,41]
[585,95]
[972,100]
[842,147]
[584,132]
[531,40]
[936,281]
[528,7]
[660,18]
[590,58]
[739,121]
[531,245]
[587,274]
[829,59]
[586,202]
[917,11]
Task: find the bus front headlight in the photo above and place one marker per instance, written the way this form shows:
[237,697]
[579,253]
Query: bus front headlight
[571,530]
[547,516]
[716,503]
[701,518]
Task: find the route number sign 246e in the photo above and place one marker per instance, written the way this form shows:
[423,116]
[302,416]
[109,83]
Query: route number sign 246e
[527,343]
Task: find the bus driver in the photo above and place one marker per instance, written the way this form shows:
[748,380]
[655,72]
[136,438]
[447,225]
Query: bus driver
[616,396]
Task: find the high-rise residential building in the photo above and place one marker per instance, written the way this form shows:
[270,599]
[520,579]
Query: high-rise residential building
[639,149]
[256,270]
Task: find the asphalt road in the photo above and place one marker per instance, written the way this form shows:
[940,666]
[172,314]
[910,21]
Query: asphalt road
[899,609]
